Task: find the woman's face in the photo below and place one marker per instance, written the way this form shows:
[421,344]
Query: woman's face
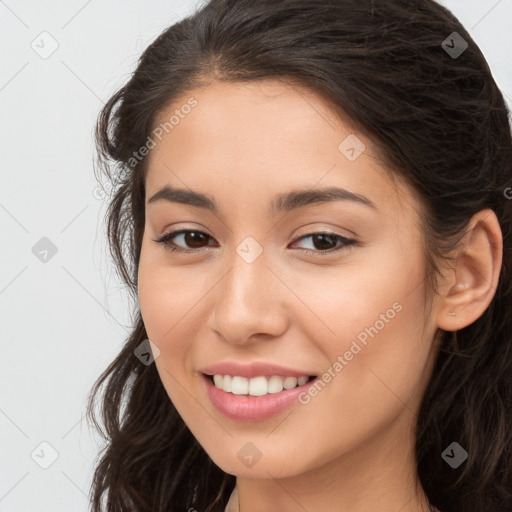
[248,292]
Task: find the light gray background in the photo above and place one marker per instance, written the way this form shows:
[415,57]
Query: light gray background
[63,321]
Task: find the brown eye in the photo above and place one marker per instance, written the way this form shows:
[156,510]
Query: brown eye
[193,240]
[324,245]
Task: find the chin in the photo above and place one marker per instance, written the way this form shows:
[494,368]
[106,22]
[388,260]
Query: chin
[266,467]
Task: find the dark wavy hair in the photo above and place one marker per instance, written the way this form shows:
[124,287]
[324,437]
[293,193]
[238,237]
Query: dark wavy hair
[438,121]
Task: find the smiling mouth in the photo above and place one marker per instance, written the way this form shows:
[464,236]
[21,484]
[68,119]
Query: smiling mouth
[257,386]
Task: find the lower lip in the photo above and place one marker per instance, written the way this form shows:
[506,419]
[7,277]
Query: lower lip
[252,408]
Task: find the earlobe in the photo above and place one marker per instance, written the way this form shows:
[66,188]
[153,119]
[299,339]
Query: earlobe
[472,282]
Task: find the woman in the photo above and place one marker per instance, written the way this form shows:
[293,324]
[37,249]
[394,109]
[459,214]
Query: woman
[311,211]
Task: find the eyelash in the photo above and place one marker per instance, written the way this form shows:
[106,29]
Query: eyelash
[347,243]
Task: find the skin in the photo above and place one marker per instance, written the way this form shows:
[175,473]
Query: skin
[351,447]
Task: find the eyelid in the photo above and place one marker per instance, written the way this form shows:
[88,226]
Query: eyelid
[347,243]
[323,231]
[302,231]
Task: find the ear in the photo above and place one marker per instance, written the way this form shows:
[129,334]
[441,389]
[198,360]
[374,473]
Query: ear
[471,284]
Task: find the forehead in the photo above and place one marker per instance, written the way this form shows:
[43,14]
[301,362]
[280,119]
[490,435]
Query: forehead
[268,112]
[261,137]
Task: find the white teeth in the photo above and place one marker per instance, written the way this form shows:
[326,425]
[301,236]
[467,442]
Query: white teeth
[290,382]
[257,386]
[302,380]
[239,385]
[226,384]
[275,384]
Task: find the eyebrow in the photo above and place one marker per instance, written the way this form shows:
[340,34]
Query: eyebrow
[281,203]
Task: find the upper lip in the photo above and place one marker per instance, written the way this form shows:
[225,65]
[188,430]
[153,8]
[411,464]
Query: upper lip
[250,370]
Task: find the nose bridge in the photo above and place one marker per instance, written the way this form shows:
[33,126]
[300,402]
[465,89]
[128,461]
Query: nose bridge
[249,277]
[247,301]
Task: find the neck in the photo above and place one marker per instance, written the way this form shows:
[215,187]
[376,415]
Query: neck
[417,503]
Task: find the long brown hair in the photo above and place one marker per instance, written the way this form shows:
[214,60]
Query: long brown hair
[437,119]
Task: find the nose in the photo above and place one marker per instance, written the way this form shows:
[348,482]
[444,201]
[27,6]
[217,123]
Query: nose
[249,302]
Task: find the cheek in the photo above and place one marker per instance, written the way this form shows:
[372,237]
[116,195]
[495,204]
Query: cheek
[370,292]
[375,368]
[165,304]
[170,299]
[368,324]
[166,295]
[153,302]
